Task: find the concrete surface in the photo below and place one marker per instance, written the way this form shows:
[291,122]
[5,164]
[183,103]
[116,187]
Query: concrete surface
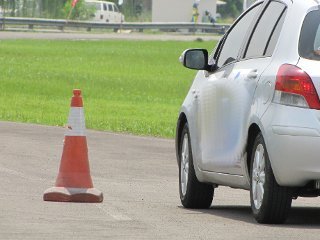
[103,36]
[139,179]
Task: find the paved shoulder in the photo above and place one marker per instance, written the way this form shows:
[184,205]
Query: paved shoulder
[103,36]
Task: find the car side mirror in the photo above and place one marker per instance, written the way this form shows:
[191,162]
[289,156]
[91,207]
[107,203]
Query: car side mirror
[195,59]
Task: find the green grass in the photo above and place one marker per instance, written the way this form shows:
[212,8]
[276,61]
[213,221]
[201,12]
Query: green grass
[128,86]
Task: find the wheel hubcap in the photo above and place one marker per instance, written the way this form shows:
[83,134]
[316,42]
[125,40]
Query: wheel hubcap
[258,176]
[184,171]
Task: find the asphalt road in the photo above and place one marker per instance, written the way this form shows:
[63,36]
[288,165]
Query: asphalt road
[139,179]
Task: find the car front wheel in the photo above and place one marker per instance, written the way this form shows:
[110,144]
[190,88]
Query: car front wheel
[193,194]
[270,202]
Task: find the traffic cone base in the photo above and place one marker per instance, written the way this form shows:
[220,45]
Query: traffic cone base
[62,194]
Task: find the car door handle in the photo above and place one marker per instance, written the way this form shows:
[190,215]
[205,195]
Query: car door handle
[253,74]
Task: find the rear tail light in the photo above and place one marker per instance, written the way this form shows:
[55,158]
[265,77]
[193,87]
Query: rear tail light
[294,87]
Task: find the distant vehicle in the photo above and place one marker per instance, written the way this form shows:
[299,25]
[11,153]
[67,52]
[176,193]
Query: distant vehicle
[105,12]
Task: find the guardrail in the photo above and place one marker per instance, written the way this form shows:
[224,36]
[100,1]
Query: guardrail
[62,24]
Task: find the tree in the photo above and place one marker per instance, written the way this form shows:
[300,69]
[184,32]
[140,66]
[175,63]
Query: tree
[8,7]
[80,12]
[34,8]
[232,8]
[51,8]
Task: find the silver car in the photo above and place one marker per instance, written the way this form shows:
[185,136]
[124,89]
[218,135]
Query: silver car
[251,118]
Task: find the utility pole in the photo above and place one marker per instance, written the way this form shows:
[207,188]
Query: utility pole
[3,7]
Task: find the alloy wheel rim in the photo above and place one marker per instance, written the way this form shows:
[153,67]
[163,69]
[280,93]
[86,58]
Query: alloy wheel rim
[258,176]
[184,171]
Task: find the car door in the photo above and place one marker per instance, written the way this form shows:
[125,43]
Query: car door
[117,14]
[110,13]
[105,13]
[226,98]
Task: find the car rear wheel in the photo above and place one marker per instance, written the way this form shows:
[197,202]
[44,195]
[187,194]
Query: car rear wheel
[193,194]
[270,202]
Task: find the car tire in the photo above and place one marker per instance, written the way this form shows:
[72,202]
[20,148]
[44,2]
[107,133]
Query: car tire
[193,194]
[270,203]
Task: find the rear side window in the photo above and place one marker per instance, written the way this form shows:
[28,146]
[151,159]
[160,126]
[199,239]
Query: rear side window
[309,42]
[105,7]
[95,6]
[275,35]
[264,30]
[98,7]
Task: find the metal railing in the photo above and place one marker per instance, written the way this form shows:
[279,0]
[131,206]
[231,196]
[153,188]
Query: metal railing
[62,24]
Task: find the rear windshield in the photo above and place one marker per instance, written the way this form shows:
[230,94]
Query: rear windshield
[309,43]
[93,5]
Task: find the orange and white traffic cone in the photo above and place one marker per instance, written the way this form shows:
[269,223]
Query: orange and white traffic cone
[74,183]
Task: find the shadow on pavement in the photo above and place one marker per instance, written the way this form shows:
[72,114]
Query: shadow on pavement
[299,217]
[306,217]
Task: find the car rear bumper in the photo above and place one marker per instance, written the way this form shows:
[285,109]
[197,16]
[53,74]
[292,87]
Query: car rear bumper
[292,137]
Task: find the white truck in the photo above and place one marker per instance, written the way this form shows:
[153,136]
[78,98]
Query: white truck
[105,11]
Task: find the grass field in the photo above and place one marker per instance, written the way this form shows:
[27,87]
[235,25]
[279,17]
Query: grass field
[128,86]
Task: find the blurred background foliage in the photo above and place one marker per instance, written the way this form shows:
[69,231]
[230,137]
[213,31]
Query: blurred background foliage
[134,10]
